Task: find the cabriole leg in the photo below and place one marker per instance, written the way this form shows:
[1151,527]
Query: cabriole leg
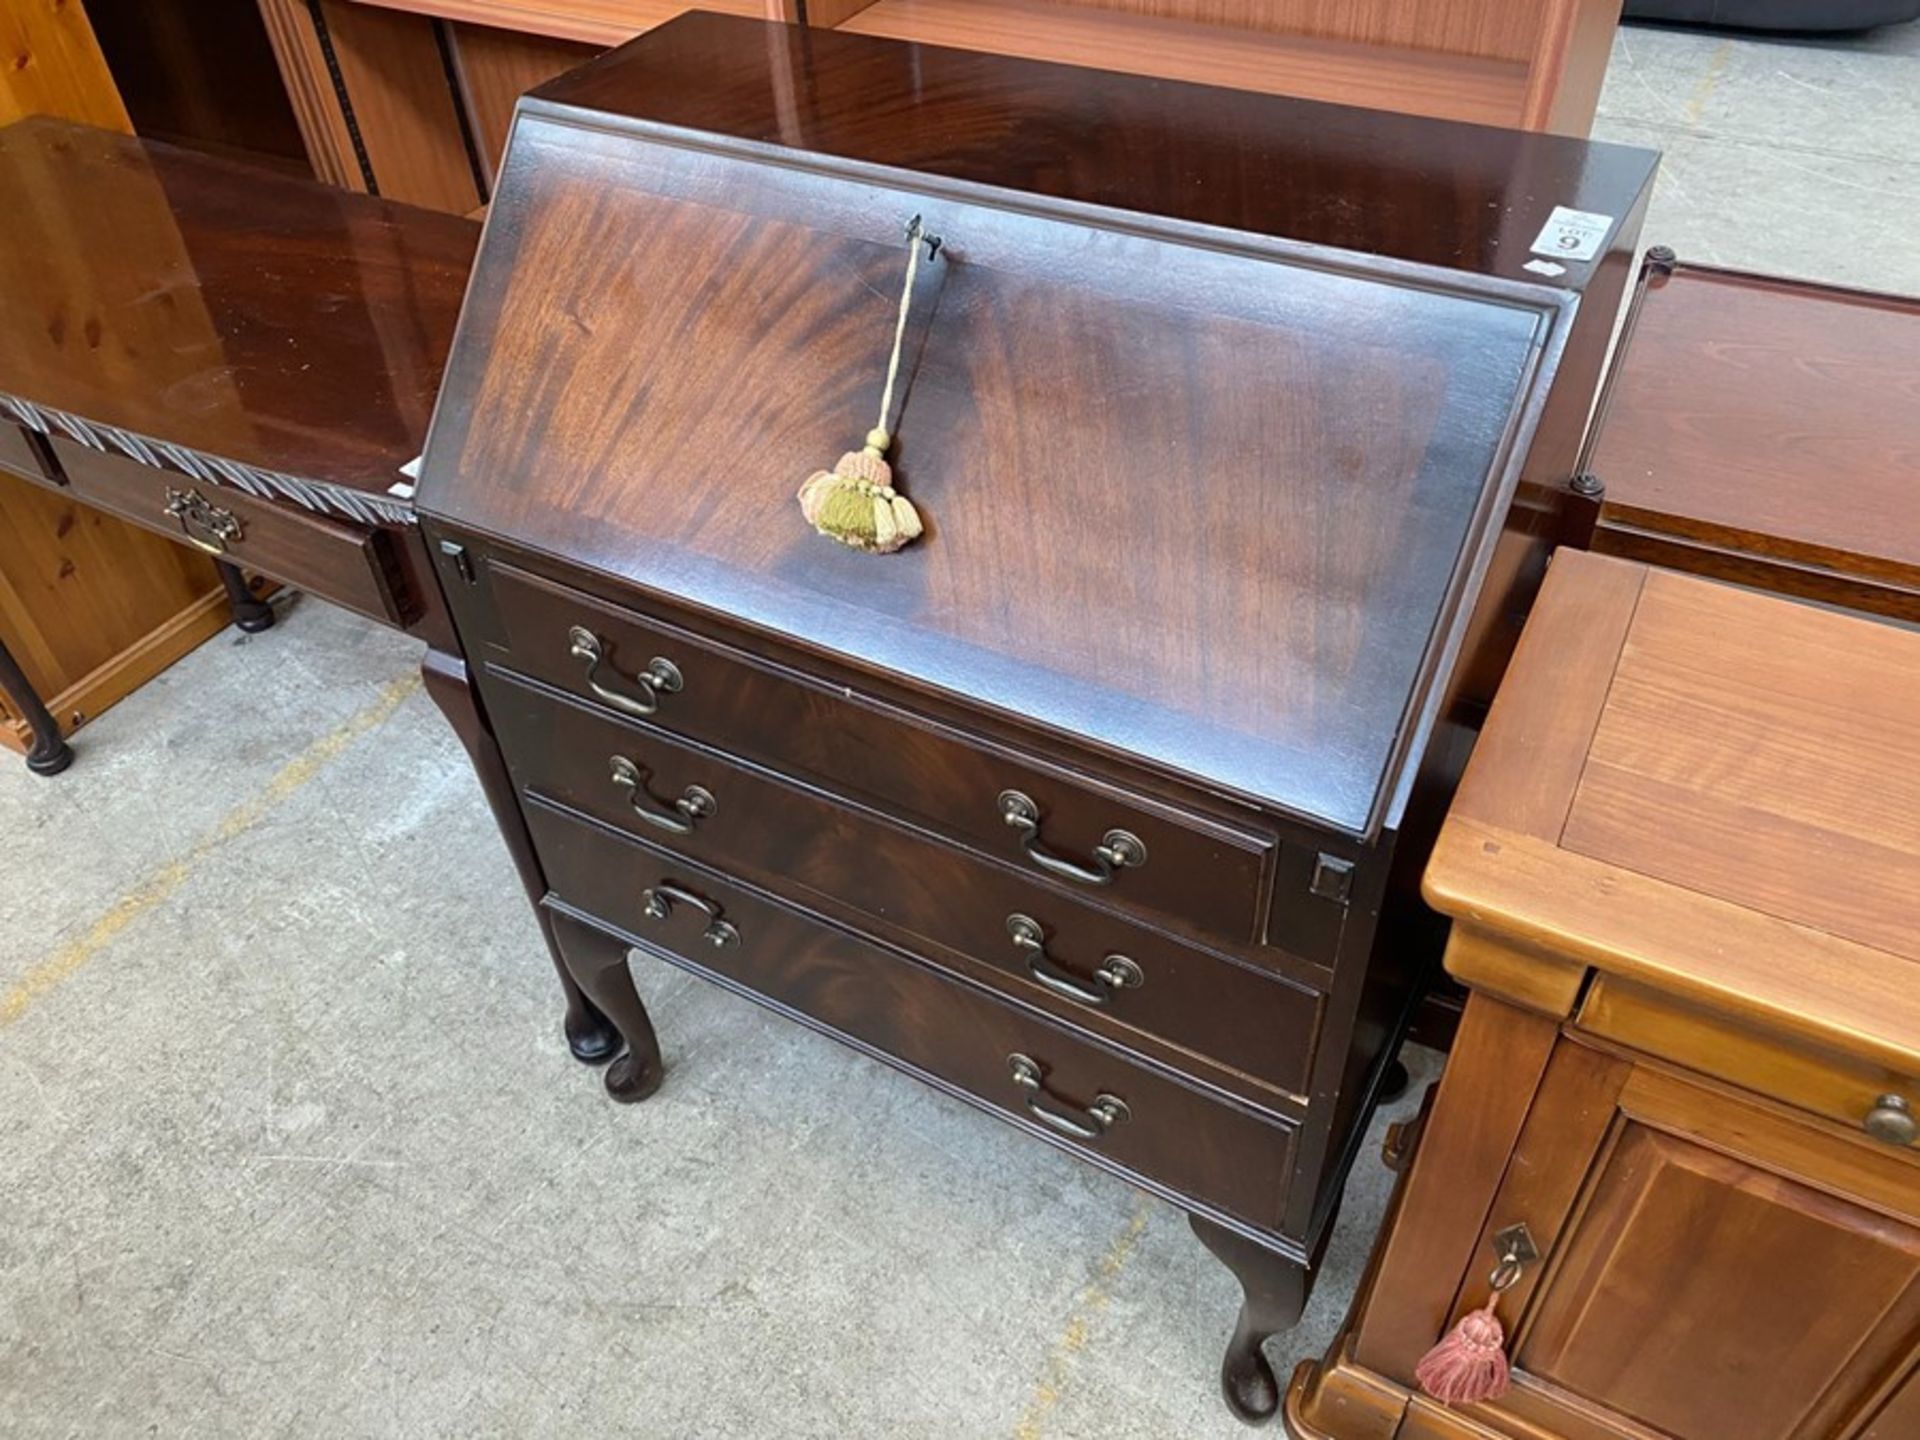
[590,1036]
[598,963]
[1275,1292]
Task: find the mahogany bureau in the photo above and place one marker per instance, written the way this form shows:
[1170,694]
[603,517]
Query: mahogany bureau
[1683,867]
[1241,428]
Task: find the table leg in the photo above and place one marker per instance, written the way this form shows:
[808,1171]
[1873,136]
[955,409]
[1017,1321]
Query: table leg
[250,612]
[590,1036]
[1275,1290]
[50,753]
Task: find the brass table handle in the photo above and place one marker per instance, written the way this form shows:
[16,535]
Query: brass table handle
[661,677]
[676,817]
[205,524]
[658,902]
[1117,850]
[1891,1119]
[1116,972]
[1089,1124]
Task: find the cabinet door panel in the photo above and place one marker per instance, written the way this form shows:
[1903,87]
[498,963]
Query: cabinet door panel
[1706,1296]
[1728,1267]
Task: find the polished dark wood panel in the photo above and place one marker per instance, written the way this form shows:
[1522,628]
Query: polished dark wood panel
[1462,197]
[1178,1139]
[245,327]
[1340,535]
[352,565]
[1767,431]
[1204,872]
[797,841]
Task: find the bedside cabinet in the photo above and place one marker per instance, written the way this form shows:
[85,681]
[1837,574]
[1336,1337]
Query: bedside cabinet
[1683,869]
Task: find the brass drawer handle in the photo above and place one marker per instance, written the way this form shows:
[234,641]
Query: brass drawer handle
[204,523]
[1891,1119]
[661,677]
[677,817]
[658,902]
[1116,972]
[1089,1124]
[1117,850]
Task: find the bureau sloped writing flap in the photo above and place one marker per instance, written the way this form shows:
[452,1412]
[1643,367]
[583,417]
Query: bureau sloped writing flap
[1207,506]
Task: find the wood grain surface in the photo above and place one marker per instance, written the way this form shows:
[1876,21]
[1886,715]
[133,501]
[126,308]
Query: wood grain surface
[1764,754]
[811,846]
[1742,832]
[955,1034]
[254,320]
[1340,535]
[1775,419]
[1483,89]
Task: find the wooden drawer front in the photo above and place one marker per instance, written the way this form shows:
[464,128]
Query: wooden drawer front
[1833,1086]
[17,455]
[351,565]
[959,1036]
[1197,871]
[785,837]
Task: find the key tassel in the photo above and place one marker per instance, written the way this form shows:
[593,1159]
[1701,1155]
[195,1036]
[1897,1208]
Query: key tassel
[1470,1363]
[855,502]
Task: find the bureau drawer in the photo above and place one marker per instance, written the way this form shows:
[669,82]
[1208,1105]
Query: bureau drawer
[750,822]
[1822,1083]
[1189,868]
[945,1030]
[348,564]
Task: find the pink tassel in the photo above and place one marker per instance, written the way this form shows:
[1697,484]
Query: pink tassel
[1470,1363]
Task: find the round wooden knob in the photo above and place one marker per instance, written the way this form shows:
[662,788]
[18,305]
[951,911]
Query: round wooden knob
[1891,1119]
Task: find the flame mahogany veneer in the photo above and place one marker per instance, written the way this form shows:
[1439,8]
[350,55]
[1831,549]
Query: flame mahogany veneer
[1241,430]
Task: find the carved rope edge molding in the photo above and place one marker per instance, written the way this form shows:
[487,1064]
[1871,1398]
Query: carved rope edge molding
[164,455]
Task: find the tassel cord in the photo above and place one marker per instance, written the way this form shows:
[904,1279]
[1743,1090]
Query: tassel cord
[914,237]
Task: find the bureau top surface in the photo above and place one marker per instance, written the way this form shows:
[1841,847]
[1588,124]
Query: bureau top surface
[1210,500]
[1710,790]
[249,327]
[1471,197]
[1770,414]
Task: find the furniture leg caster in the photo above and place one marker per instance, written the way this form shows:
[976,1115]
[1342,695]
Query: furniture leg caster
[250,612]
[1275,1292]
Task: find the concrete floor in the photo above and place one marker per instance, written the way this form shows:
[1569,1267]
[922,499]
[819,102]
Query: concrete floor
[289,1144]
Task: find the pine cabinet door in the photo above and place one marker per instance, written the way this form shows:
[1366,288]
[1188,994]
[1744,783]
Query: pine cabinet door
[1713,1265]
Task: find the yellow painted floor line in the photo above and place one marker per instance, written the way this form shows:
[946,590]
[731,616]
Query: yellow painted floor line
[158,886]
[1073,1339]
[1709,82]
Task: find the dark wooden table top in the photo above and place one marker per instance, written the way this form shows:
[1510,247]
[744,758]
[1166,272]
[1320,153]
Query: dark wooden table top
[1772,420]
[244,327]
[1208,500]
[1468,197]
